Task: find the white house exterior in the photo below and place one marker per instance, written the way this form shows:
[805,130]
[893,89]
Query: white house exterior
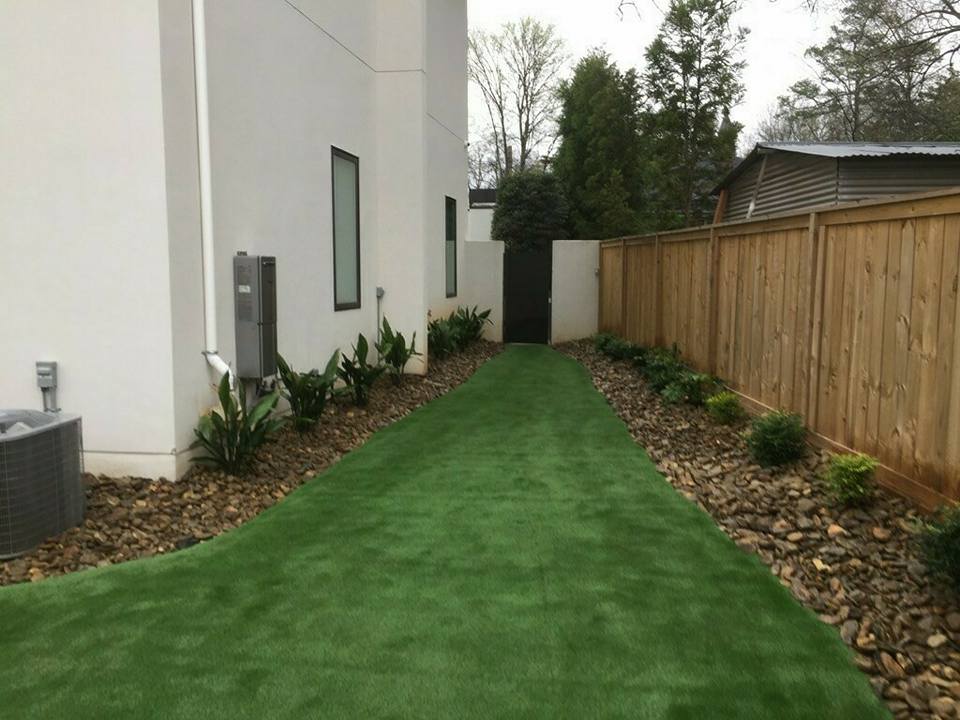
[104,163]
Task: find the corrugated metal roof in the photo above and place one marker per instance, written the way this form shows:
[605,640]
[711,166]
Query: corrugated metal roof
[839,150]
[864,149]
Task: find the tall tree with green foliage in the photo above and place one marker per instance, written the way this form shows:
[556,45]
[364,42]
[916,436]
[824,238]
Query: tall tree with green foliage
[692,81]
[876,79]
[600,158]
[531,210]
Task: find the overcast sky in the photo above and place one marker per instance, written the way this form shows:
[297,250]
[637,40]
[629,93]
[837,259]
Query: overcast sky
[780,31]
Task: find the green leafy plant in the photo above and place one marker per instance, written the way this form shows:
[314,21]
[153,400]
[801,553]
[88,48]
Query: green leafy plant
[725,408]
[358,374]
[939,540]
[393,350]
[850,478]
[231,437]
[307,392]
[467,325]
[777,438]
[601,340]
[441,340]
[620,349]
[661,368]
[688,386]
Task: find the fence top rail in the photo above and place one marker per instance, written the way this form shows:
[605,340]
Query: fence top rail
[930,202]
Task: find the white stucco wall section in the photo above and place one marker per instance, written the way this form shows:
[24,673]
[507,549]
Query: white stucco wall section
[575,289]
[479,220]
[83,224]
[484,283]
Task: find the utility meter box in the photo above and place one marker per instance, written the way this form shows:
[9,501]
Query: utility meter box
[255,305]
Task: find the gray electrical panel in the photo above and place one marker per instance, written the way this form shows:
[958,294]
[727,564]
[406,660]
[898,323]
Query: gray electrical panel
[255,304]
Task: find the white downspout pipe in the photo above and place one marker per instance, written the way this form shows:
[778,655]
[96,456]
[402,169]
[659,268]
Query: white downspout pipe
[206,204]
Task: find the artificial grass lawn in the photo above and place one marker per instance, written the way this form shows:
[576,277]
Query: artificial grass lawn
[506,551]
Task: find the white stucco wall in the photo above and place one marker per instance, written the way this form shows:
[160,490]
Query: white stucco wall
[575,289]
[479,220]
[85,276]
[446,133]
[484,282]
[99,196]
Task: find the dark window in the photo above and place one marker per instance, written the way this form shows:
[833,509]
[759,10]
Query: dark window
[450,247]
[346,230]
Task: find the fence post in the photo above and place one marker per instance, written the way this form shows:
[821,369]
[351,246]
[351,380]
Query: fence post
[623,288]
[658,293]
[815,252]
[713,301]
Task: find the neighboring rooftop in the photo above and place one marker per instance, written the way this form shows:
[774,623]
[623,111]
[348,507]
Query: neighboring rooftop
[483,197]
[840,150]
[778,177]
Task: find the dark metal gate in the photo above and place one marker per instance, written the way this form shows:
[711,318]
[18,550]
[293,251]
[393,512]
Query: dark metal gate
[526,295]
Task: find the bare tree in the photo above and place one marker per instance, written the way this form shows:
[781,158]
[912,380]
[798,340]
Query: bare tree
[517,70]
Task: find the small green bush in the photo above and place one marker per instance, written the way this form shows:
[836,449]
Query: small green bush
[456,332]
[232,436]
[620,349]
[689,387]
[725,408]
[441,340]
[307,392]
[662,367]
[850,478]
[394,351]
[467,325]
[358,374]
[777,438]
[601,340]
[940,544]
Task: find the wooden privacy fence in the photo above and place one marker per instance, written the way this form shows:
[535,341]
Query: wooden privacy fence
[847,315]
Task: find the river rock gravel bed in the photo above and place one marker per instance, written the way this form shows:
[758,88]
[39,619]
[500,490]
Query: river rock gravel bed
[858,569]
[130,517]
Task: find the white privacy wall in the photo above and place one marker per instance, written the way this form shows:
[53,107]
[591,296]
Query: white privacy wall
[484,283]
[446,127]
[479,220]
[575,293]
[85,276]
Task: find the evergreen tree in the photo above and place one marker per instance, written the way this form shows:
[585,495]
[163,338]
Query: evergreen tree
[692,81]
[531,210]
[599,161]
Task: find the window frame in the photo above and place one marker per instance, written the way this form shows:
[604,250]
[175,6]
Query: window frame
[448,202]
[335,153]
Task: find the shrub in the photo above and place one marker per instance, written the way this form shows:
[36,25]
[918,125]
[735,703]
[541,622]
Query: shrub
[467,325]
[601,340]
[940,544]
[358,374]
[441,340]
[777,438]
[725,408]
[850,478]
[531,210]
[232,436]
[688,386]
[307,392]
[620,349]
[393,351]
[662,367]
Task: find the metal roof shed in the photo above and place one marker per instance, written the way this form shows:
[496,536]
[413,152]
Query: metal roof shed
[789,176]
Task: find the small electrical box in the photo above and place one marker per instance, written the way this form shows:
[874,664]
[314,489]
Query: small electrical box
[255,306]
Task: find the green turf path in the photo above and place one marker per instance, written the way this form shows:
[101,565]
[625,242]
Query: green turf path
[506,551]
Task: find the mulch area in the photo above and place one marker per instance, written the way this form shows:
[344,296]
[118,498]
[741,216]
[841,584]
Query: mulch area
[131,517]
[858,569]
